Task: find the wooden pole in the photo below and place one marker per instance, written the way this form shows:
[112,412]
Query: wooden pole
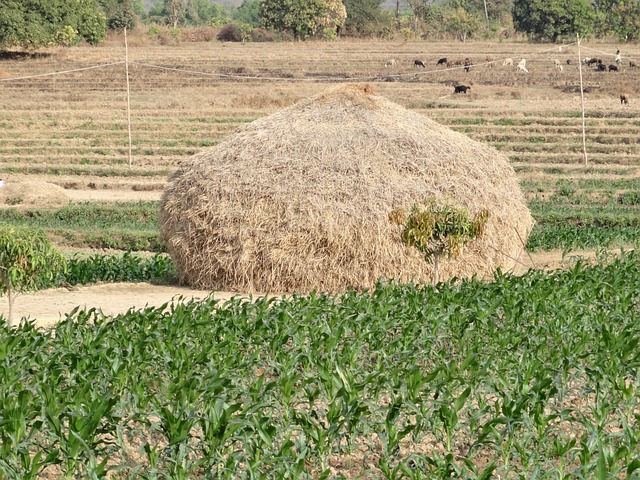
[584,131]
[126,68]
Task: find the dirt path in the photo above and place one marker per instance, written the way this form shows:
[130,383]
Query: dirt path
[112,195]
[49,306]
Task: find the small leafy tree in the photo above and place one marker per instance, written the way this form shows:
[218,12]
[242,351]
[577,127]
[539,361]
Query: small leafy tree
[303,18]
[554,19]
[442,229]
[27,262]
[38,23]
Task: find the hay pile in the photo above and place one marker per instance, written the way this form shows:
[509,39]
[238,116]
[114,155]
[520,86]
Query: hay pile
[32,194]
[301,199]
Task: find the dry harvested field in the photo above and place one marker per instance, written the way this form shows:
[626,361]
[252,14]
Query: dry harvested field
[71,129]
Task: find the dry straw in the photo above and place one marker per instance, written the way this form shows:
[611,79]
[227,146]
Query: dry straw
[301,199]
[18,194]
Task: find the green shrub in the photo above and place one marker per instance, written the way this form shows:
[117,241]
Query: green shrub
[629,198]
[118,268]
[28,261]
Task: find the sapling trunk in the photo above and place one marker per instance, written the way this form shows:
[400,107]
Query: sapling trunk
[7,283]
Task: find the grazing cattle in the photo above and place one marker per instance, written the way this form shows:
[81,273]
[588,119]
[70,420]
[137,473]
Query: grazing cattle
[624,98]
[467,64]
[613,68]
[419,63]
[390,63]
[442,61]
[522,63]
[594,61]
[557,65]
[602,67]
[522,68]
[568,61]
[633,64]
[461,89]
[508,62]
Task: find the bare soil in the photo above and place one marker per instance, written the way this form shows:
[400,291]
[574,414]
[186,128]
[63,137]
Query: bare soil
[47,307]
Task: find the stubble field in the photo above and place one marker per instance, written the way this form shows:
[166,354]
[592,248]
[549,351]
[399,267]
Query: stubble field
[71,129]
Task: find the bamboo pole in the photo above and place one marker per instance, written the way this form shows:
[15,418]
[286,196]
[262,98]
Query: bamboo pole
[126,68]
[584,131]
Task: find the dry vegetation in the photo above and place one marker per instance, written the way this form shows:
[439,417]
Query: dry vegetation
[71,129]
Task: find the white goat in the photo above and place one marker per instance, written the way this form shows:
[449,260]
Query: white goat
[390,63]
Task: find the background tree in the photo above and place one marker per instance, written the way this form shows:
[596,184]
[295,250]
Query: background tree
[553,19]
[457,18]
[461,23]
[618,17]
[248,12]
[302,18]
[27,262]
[364,17]
[120,13]
[204,12]
[36,23]
[172,11]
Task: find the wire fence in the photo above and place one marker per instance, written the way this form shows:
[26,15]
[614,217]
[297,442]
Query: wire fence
[424,72]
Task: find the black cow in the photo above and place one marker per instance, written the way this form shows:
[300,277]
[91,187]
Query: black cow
[419,63]
[442,61]
[461,89]
[602,67]
[594,61]
[613,68]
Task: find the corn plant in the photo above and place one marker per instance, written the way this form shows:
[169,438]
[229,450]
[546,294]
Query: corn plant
[523,377]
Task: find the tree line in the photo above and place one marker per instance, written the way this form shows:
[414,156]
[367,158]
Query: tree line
[36,23]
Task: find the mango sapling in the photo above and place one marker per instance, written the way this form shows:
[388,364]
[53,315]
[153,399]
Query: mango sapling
[441,229]
[27,261]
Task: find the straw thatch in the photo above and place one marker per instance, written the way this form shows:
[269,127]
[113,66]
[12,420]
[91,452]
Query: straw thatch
[21,194]
[301,199]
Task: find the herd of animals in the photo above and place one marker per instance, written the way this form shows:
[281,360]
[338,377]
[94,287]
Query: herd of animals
[467,63]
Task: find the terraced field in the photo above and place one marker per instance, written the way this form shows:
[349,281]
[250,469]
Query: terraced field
[71,129]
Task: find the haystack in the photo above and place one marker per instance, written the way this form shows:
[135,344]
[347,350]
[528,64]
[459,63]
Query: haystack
[23,194]
[301,199]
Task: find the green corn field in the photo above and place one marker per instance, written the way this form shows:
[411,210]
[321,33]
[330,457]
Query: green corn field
[530,377]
